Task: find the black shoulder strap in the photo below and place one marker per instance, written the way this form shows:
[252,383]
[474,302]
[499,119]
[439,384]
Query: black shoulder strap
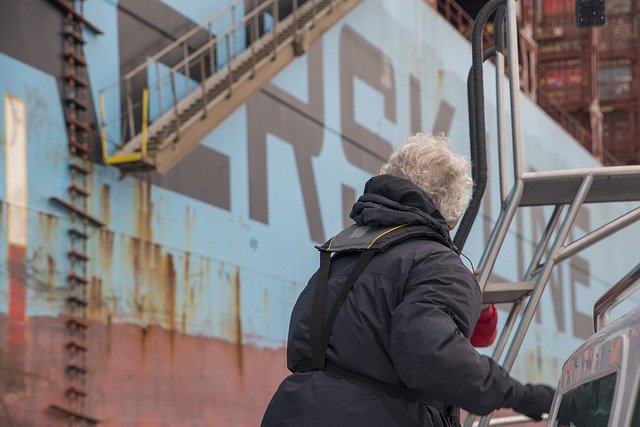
[320,329]
[368,241]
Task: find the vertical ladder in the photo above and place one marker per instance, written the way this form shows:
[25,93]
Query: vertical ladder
[562,189]
[75,98]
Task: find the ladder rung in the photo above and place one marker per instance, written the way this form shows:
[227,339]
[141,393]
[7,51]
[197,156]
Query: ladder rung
[78,415]
[75,369]
[498,293]
[74,35]
[72,78]
[77,234]
[78,124]
[75,147]
[77,211]
[72,55]
[77,255]
[75,323]
[75,279]
[78,168]
[75,190]
[77,301]
[75,101]
[72,392]
[74,346]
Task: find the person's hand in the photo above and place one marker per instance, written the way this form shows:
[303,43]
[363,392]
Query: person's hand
[536,401]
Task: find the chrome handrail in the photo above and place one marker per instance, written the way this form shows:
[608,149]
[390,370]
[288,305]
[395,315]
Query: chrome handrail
[625,287]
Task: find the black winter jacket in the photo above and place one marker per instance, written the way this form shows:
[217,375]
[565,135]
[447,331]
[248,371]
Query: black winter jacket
[407,321]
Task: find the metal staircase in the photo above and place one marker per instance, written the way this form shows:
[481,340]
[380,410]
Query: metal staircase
[206,85]
[563,188]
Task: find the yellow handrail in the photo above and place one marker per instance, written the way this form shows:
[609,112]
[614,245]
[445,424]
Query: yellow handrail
[145,121]
[144,135]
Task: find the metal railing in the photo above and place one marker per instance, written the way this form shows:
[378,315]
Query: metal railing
[124,125]
[564,119]
[236,49]
[627,286]
[144,136]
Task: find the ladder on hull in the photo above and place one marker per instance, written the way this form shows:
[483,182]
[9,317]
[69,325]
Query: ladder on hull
[566,190]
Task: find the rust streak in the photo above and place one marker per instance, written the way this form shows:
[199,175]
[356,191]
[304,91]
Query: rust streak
[236,325]
[51,274]
[189,292]
[144,210]
[171,298]
[106,249]
[95,297]
[105,201]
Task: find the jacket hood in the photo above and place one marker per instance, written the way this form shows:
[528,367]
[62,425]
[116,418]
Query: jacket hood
[389,200]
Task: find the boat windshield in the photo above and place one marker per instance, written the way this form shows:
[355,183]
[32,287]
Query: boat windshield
[588,405]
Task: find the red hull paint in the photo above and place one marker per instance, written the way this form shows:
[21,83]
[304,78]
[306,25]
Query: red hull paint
[15,344]
[146,377]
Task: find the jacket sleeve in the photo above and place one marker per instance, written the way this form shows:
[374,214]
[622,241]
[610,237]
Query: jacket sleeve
[429,349]
[486,328]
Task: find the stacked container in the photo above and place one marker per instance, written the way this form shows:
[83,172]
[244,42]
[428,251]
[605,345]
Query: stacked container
[583,68]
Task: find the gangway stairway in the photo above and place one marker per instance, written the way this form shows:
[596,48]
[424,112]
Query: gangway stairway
[563,189]
[219,89]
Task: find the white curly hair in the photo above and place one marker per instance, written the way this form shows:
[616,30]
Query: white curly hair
[430,163]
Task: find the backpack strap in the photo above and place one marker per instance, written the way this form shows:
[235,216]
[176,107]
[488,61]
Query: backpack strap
[368,240]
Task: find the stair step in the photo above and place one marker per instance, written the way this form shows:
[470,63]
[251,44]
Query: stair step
[505,292]
[611,184]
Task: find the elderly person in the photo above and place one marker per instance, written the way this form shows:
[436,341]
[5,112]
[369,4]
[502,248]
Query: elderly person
[380,335]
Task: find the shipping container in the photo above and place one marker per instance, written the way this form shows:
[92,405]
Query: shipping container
[615,79]
[619,130]
[575,86]
[617,34]
[564,81]
[617,7]
[561,46]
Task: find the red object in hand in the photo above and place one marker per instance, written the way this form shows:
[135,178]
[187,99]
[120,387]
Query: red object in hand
[486,329]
